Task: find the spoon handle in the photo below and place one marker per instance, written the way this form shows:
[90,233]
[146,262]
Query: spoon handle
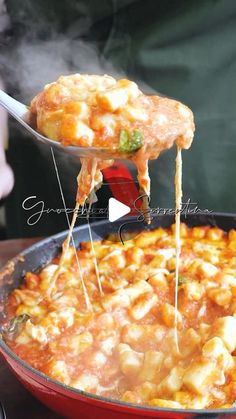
[15,108]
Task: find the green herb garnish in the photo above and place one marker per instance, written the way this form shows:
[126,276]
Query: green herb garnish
[16,322]
[182,280]
[130,142]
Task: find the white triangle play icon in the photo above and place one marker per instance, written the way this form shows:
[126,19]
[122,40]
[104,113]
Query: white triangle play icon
[116,209]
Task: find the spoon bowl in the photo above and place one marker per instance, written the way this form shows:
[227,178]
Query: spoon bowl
[21,113]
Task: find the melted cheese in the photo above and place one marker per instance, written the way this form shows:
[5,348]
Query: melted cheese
[90,110]
[178,199]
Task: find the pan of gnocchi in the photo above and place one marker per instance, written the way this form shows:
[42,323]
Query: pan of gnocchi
[117,357]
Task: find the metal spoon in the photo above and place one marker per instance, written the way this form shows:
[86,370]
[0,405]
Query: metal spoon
[21,113]
[2,412]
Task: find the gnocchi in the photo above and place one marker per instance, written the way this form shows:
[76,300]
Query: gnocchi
[125,346]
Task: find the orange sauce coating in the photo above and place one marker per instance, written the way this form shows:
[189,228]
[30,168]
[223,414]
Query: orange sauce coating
[124,348]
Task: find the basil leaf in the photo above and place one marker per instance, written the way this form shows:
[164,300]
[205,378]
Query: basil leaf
[136,140]
[16,322]
[124,141]
[182,280]
[130,143]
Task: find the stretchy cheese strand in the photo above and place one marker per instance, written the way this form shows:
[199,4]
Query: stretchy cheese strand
[66,244]
[94,167]
[178,199]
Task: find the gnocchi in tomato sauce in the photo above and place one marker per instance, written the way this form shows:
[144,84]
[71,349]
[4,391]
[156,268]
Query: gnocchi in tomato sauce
[99,111]
[124,347]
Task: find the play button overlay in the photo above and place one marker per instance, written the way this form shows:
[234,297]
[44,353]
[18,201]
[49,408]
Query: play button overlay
[117,209]
[116,216]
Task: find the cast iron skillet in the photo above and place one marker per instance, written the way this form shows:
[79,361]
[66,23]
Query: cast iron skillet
[72,403]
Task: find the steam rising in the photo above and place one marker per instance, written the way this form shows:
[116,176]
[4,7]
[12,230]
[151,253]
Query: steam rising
[32,65]
[27,63]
